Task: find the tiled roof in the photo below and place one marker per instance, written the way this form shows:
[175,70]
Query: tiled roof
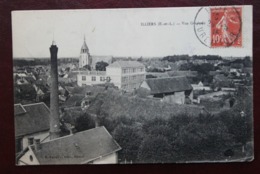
[82,147]
[34,118]
[84,46]
[167,85]
[18,109]
[125,64]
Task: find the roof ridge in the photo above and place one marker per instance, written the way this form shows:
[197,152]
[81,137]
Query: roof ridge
[34,104]
[67,136]
[174,77]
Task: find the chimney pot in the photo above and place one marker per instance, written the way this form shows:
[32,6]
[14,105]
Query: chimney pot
[30,140]
[37,144]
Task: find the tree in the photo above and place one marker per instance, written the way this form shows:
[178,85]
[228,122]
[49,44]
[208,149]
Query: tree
[150,76]
[155,150]
[67,69]
[129,139]
[84,122]
[204,140]
[88,67]
[101,66]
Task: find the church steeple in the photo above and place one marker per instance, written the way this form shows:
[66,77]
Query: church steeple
[84,48]
[85,58]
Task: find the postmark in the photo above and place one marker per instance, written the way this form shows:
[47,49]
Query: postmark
[219,26]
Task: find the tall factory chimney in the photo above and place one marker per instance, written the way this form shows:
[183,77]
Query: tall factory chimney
[54,104]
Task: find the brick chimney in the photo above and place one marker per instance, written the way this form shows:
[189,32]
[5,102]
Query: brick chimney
[54,104]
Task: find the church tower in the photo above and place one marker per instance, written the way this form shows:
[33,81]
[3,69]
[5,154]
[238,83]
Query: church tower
[84,58]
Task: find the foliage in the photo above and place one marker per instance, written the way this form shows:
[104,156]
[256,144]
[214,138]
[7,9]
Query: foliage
[149,76]
[84,122]
[129,139]
[155,70]
[87,67]
[155,150]
[203,69]
[101,66]
[182,137]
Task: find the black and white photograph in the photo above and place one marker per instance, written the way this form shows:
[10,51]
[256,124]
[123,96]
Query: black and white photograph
[131,86]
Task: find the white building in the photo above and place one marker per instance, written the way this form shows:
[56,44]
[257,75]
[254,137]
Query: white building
[91,78]
[126,75]
[200,86]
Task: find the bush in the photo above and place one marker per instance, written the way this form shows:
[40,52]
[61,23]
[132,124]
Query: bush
[129,139]
[84,122]
[155,150]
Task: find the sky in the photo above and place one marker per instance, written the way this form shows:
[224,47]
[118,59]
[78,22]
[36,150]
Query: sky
[118,32]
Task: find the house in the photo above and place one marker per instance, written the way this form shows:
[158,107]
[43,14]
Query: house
[126,75]
[200,86]
[171,90]
[91,77]
[220,80]
[31,120]
[93,146]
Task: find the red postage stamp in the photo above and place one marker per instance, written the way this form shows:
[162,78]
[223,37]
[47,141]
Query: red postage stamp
[226,25]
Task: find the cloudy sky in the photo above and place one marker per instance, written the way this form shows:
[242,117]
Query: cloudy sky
[117,32]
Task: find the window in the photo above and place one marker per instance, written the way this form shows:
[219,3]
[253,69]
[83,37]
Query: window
[124,71]
[93,78]
[31,158]
[134,70]
[102,79]
[124,79]
[83,78]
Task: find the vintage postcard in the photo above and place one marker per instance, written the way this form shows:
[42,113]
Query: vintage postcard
[125,86]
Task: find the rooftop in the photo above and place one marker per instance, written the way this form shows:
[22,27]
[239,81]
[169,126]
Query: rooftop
[31,118]
[79,148]
[126,64]
[167,85]
[102,73]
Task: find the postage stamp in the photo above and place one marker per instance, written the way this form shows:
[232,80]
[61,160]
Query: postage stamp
[219,26]
[226,27]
